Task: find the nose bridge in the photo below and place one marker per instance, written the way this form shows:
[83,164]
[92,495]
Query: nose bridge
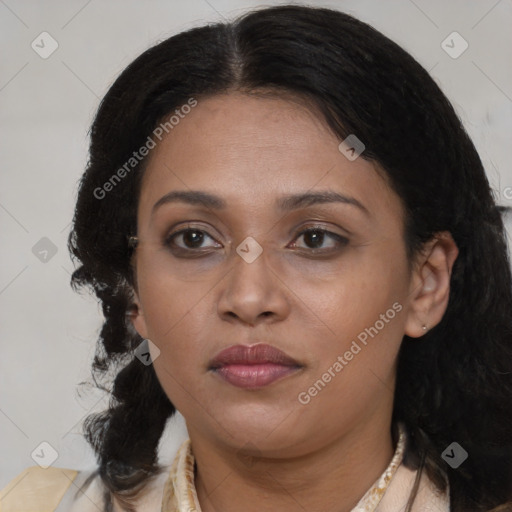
[252,271]
[253,240]
[251,287]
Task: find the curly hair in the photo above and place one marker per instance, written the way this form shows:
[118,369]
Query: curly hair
[455,384]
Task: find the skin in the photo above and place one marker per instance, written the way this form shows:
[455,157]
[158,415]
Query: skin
[262,449]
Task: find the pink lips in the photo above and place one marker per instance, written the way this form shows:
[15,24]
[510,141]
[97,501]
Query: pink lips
[253,366]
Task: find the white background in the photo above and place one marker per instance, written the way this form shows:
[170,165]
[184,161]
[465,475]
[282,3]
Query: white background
[48,333]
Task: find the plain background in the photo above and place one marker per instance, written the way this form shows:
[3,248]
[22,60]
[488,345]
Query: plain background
[48,333]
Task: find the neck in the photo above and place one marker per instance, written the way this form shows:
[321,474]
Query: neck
[333,477]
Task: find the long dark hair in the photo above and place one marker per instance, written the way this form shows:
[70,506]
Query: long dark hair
[455,384]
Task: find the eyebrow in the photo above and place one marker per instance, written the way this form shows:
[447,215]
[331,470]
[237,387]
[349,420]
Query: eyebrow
[285,203]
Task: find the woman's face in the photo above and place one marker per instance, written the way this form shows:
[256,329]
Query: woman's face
[335,300]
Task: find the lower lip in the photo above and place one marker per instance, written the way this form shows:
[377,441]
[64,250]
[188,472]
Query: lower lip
[254,375]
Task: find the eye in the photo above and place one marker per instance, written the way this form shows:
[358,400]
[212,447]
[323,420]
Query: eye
[315,237]
[192,239]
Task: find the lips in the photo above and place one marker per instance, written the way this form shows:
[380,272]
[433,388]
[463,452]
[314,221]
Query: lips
[253,366]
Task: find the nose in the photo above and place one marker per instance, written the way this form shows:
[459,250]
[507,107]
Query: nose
[253,292]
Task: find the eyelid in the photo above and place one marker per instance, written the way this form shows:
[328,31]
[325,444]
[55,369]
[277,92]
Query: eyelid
[181,226]
[298,232]
[317,224]
[186,227]
[341,239]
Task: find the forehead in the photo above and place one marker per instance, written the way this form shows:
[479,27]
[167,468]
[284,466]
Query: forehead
[250,149]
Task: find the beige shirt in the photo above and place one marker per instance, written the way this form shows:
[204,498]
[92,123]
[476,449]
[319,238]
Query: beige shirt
[65,490]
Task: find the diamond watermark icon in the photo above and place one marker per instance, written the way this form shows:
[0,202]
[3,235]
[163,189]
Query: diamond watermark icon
[44,45]
[507,193]
[44,250]
[147,352]
[351,147]
[454,455]
[454,45]
[249,249]
[44,455]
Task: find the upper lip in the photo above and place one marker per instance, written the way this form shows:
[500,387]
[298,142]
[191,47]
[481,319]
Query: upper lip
[260,353]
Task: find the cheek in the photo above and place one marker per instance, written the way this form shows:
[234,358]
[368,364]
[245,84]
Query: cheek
[362,315]
[176,317]
[355,296]
[172,304]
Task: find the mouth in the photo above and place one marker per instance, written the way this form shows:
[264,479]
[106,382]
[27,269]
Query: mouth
[253,366]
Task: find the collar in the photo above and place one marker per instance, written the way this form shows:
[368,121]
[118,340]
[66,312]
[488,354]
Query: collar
[179,494]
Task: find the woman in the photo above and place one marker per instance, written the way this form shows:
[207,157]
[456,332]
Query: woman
[295,246]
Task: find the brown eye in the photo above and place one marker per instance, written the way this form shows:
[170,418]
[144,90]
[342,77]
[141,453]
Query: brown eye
[193,241]
[188,239]
[315,239]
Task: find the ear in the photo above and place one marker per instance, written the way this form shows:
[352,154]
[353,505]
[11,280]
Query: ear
[430,284]
[137,316]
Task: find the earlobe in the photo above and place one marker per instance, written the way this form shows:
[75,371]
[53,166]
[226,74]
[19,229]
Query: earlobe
[431,285]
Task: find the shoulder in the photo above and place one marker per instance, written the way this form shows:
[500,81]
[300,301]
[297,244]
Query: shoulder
[46,490]
[68,490]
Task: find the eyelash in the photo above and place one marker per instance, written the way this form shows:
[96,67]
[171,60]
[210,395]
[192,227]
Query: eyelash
[199,252]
